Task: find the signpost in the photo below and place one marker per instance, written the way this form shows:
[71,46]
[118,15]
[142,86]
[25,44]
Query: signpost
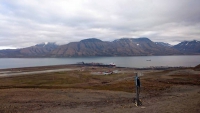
[137,83]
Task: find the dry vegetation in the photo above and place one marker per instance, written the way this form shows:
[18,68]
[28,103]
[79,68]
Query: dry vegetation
[86,80]
[154,84]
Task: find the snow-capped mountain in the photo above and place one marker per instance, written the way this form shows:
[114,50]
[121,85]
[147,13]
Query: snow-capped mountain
[164,44]
[188,47]
[52,44]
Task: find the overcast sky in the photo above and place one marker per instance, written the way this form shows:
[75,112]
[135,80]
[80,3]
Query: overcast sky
[25,23]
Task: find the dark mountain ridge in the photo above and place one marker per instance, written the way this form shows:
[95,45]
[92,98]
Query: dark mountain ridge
[120,47]
[188,47]
[95,47]
[39,50]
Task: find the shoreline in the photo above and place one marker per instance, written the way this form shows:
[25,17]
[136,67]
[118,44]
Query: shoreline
[132,62]
[12,72]
[80,65]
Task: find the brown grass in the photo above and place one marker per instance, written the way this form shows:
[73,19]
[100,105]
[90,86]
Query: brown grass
[151,83]
[192,79]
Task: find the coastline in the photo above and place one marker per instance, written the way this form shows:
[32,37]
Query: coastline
[133,62]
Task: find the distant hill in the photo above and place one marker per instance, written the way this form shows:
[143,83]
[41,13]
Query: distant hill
[197,68]
[39,50]
[188,47]
[87,47]
[120,47]
[95,47]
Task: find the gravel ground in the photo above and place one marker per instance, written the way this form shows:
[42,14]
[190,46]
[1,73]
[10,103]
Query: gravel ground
[178,99]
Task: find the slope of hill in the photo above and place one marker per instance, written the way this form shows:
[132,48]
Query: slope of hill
[39,50]
[95,47]
[120,47]
[188,47]
[87,47]
[197,68]
[9,53]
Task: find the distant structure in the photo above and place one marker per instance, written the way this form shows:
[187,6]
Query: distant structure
[97,64]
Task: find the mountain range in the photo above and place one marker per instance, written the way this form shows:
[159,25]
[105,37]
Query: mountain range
[39,50]
[95,47]
[189,47]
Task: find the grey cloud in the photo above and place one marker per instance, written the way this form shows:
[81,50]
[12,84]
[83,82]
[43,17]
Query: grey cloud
[25,23]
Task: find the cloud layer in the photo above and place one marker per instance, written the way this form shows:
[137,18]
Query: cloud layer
[28,22]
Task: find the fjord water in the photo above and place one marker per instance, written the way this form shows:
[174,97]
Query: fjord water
[136,61]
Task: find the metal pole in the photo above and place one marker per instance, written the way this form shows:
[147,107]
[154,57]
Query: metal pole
[138,101]
[137,81]
[136,87]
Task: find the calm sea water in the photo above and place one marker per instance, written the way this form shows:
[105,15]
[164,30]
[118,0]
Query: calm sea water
[136,61]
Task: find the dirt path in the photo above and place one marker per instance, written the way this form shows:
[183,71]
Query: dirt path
[18,73]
